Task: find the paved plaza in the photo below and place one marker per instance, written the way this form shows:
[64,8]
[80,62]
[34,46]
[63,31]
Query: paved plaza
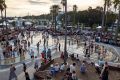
[72,47]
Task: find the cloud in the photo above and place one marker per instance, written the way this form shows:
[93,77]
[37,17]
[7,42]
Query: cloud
[56,1]
[15,8]
[38,2]
[36,7]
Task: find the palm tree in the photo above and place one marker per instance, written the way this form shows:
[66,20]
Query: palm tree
[117,6]
[51,12]
[108,4]
[2,7]
[74,11]
[104,14]
[5,6]
[55,10]
[63,4]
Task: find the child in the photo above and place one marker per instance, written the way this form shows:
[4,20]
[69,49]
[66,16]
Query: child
[74,76]
[83,68]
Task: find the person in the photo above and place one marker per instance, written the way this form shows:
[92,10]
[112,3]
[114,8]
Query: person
[43,55]
[20,50]
[72,67]
[77,58]
[32,53]
[24,67]
[49,54]
[62,55]
[40,41]
[86,52]
[83,68]
[59,46]
[74,76]
[62,67]
[12,73]
[36,64]
[97,67]
[32,39]
[57,68]
[72,56]
[27,76]
[38,44]
[92,46]
[52,70]
[68,74]
[105,72]
[28,43]
[69,42]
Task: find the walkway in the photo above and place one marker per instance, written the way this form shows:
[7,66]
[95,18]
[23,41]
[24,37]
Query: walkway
[4,74]
[30,70]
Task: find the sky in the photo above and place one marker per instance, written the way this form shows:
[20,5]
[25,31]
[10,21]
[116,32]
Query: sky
[37,7]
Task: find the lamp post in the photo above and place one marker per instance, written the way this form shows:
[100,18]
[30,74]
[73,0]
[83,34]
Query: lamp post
[6,22]
[65,45]
[5,15]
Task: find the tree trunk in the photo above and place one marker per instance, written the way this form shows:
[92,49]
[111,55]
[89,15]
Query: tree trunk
[74,18]
[5,18]
[2,18]
[52,20]
[1,15]
[63,17]
[55,22]
[106,19]
[118,24]
[65,45]
[104,14]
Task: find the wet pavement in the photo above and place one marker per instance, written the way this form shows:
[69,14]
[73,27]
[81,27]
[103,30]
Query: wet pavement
[72,47]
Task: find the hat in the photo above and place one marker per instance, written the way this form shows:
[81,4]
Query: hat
[51,65]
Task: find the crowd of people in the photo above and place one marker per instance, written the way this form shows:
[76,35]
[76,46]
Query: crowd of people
[70,70]
[12,51]
[20,47]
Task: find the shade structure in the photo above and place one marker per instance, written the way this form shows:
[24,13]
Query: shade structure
[4,24]
[99,27]
[28,23]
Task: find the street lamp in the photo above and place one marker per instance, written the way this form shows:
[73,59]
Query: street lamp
[5,13]
[64,2]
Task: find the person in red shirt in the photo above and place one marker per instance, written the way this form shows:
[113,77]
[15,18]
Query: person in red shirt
[42,54]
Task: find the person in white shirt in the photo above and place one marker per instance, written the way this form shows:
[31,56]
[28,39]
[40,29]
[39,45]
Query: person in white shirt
[74,76]
[62,67]
[36,65]
[72,67]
